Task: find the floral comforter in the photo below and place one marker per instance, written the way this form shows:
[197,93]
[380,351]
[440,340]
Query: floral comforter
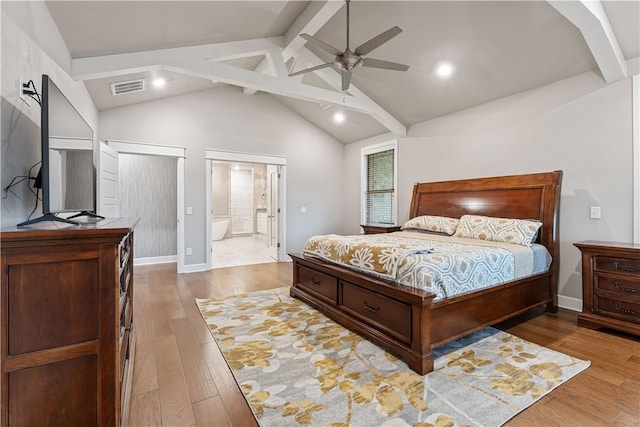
[446,266]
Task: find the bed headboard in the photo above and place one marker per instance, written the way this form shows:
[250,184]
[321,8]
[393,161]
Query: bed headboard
[532,196]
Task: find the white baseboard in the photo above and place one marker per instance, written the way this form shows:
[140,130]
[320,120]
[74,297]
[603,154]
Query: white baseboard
[570,303]
[194,268]
[155,260]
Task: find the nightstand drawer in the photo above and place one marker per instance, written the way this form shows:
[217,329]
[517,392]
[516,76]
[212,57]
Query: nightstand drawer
[318,283]
[615,284]
[618,265]
[379,228]
[629,311]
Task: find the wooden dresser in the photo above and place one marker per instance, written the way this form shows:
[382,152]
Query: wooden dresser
[67,337]
[610,286]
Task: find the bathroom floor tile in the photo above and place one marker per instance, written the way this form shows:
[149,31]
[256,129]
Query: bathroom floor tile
[242,250]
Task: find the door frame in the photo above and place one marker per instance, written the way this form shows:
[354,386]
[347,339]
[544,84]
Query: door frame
[128,147]
[272,209]
[232,156]
[635,88]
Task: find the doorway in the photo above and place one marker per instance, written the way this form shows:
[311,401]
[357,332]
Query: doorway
[245,198]
[110,197]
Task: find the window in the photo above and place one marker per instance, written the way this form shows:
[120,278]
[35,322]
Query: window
[379,177]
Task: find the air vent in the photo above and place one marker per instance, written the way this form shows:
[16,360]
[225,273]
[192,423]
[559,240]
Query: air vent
[121,88]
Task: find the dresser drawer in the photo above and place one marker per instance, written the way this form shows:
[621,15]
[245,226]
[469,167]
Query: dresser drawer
[623,309]
[318,283]
[621,286]
[617,265]
[391,315]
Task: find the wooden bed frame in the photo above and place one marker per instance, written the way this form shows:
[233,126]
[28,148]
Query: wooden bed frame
[404,320]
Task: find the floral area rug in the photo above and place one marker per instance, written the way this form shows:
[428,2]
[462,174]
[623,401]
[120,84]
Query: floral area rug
[297,367]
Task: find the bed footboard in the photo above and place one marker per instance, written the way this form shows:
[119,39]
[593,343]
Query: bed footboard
[393,316]
[404,320]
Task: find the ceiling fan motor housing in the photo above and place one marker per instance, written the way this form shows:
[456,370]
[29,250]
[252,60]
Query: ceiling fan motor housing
[348,60]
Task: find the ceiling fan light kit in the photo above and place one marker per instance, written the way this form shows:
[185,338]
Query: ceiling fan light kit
[346,61]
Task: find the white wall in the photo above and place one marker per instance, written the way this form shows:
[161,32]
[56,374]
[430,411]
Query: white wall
[31,46]
[579,125]
[225,119]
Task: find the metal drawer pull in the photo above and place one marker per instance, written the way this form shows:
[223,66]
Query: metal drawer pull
[633,291]
[625,311]
[370,308]
[623,268]
[315,282]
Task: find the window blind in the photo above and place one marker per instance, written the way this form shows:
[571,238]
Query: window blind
[380,192]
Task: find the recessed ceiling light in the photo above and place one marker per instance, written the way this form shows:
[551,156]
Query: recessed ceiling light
[339,117]
[158,82]
[444,70]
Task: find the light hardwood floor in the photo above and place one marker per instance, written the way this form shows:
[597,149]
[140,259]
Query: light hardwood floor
[180,377]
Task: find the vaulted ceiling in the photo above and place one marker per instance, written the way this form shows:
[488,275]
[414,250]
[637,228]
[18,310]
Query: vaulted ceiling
[495,48]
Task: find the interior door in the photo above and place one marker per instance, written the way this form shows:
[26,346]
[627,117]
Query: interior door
[272,210]
[108,205]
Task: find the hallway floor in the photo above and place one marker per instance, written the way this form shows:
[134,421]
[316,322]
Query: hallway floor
[242,250]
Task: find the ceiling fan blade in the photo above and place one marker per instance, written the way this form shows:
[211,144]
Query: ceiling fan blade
[307,70]
[386,65]
[378,40]
[346,79]
[332,50]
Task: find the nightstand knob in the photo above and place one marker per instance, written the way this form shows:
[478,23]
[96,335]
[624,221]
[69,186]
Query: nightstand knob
[623,268]
[622,310]
[633,291]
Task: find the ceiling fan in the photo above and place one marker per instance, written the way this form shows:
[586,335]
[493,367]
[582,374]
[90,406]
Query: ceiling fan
[346,61]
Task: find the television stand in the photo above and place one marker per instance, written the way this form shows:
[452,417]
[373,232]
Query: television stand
[86,213]
[47,217]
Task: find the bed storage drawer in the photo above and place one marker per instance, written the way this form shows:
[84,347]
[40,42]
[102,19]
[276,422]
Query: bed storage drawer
[318,283]
[386,313]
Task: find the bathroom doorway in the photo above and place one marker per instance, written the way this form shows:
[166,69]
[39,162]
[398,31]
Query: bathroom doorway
[245,198]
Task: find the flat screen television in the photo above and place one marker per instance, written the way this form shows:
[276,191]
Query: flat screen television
[67,174]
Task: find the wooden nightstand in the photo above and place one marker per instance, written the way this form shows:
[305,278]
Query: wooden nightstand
[379,228]
[610,286]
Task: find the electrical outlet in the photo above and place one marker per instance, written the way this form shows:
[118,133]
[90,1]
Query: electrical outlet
[21,94]
[595,212]
[189,251]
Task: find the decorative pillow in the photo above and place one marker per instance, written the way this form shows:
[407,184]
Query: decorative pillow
[506,230]
[440,224]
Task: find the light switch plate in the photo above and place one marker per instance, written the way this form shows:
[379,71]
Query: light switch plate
[595,212]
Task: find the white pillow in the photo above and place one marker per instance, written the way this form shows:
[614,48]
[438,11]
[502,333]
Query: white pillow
[439,224]
[507,230]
